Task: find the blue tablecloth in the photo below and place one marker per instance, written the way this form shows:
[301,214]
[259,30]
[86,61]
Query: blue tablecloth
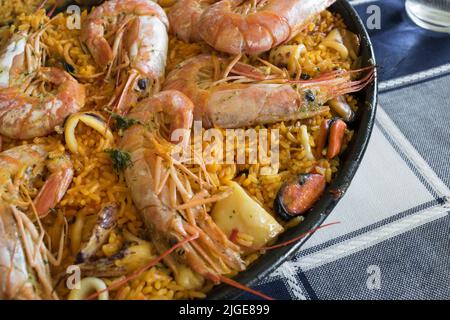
[394,238]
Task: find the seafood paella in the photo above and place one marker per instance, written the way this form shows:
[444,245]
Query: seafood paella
[155,149]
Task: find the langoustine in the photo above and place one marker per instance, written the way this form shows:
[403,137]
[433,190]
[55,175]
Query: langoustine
[34,100]
[129,35]
[250,101]
[212,254]
[24,258]
[256,26]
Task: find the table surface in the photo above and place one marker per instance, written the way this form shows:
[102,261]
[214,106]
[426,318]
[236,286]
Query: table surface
[394,238]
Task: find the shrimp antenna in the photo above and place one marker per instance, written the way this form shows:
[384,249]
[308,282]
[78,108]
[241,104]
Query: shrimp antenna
[240,286]
[43,3]
[140,271]
[334,75]
[283,244]
[55,6]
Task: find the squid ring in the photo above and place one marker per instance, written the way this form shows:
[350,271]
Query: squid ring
[91,119]
[87,288]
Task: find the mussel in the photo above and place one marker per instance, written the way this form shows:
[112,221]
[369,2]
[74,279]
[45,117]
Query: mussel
[331,136]
[298,195]
[342,108]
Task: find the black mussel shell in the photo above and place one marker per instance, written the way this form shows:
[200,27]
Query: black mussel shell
[297,195]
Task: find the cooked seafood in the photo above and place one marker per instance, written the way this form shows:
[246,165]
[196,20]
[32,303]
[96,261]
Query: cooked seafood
[342,108]
[24,116]
[24,265]
[212,254]
[12,60]
[87,285]
[106,155]
[298,195]
[24,258]
[135,254]
[91,119]
[184,18]
[140,40]
[221,103]
[20,166]
[253,27]
[106,222]
[174,105]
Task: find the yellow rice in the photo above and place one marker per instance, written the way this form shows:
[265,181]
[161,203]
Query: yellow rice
[95,182]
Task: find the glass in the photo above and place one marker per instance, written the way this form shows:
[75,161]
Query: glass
[430,14]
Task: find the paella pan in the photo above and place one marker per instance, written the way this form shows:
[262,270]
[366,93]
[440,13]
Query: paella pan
[158,149]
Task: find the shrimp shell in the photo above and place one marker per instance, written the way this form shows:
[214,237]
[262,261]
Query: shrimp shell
[25,117]
[253,27]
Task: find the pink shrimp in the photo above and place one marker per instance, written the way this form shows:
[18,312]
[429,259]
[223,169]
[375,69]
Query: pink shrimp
[21,165]
[131,33]
[256,26]
[237,105]
[184,18]
[212,255]
[24,264]
[24,258]
[24,116]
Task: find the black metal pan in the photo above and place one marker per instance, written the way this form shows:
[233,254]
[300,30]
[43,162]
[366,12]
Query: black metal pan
[350,160]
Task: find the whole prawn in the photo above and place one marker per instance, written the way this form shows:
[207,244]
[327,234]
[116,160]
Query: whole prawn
[131,33]
[22,165]
[255,26]
[212,254]
[24,266]
[26,116]
[252,102]
[24,258]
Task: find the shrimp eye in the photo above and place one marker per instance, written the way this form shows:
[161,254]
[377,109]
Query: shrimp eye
[310,96]
[143,84]
[69,68]
[173,241]
[305,76]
